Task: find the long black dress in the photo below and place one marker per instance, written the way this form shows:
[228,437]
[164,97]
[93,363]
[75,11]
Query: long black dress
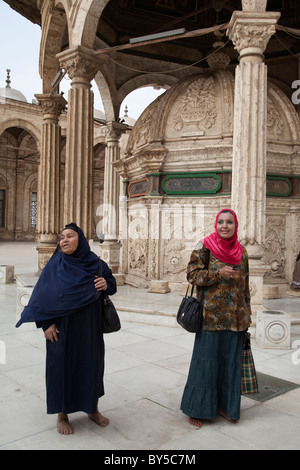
[65,295]
[75,363]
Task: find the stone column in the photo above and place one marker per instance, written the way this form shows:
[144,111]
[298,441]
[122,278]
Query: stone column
[48,204]
[81,67]
[110,249]
[250,31]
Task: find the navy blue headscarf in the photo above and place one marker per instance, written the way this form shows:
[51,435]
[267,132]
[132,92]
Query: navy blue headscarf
[65,285]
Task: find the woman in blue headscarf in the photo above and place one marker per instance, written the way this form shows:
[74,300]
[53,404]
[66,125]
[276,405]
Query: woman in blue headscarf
[66,303]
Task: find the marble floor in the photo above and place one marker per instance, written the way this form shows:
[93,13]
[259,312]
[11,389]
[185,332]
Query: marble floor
[146,366]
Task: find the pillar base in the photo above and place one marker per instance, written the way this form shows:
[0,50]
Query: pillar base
[257,270]
[110,253]
[273,329]
[7,274]
[45,251]
[120,279]
[159,287]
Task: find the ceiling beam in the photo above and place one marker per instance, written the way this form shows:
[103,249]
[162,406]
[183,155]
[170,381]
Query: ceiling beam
[189,34]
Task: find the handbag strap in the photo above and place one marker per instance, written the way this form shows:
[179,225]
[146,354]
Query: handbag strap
[206,258]
[206,263]
[100,268]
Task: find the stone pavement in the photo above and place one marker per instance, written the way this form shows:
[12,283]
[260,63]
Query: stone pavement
[146,368]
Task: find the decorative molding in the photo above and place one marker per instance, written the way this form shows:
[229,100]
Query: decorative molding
[138,188]
[196,184]
[193,183]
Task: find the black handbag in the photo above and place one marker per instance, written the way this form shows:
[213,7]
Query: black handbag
[189,314]
[110,318]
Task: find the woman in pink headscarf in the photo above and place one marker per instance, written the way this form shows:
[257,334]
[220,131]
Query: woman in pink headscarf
[214,381]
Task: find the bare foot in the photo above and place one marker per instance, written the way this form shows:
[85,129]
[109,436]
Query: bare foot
[99,419]
[195,422]
[63,425]
[221,413]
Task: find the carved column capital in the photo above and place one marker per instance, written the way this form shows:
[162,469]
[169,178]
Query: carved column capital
[80,63]
[114,130]
[52,106]
[250,32]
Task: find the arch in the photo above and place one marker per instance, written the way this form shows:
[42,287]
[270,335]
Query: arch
[288,110]
[100,140]
[164,81]
[113,98]
[4,183]
[55,25]
[23,124]
[10,199]
[108,95]
[85,17]
[99,155]
[31,181]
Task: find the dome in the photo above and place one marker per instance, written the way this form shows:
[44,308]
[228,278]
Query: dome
[98,114]
[190,128]
[127,119]
[193,114]
[11,93]
[197,109]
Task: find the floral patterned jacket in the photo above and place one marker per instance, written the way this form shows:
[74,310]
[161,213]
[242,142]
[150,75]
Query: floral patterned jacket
[226,304]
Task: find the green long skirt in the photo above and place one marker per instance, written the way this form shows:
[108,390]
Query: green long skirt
[214,379]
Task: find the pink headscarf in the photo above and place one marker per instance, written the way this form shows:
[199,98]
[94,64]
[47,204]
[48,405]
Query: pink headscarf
[226,250]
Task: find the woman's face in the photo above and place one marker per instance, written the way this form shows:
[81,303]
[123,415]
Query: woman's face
[226,225]
[68,241]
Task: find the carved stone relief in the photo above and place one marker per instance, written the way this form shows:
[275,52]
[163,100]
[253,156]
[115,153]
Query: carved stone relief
[275,246]
[141,132]
[274,121]
[195,111]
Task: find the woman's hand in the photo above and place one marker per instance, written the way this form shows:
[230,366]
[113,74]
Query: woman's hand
[228,272]
[100,283]
[52,333]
